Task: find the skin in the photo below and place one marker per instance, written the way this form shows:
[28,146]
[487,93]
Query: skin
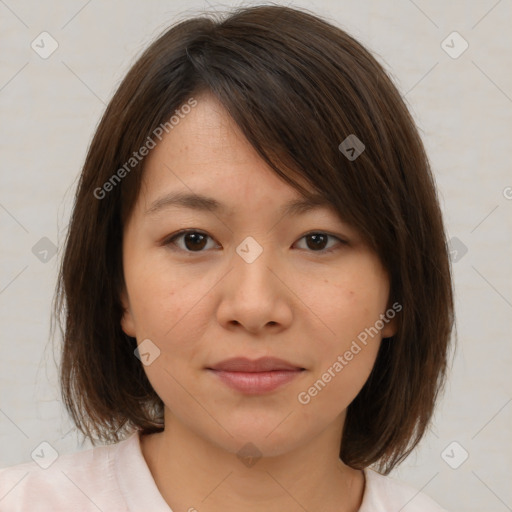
[200,307]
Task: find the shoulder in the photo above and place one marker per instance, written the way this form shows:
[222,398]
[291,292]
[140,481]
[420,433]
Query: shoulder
[386,494]
[86,479]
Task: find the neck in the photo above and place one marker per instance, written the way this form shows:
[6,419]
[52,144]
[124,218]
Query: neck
[193,473]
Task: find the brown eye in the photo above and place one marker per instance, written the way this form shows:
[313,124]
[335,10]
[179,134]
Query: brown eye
[317,242]
[192,241]
[196,241]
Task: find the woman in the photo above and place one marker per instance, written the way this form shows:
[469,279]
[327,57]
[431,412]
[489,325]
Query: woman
[256,289]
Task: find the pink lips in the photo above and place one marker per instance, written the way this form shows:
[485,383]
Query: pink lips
[255,377]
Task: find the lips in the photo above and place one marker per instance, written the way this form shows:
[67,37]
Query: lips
[255,377]
[263,364]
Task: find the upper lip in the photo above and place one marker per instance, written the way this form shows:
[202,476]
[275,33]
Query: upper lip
[263,364]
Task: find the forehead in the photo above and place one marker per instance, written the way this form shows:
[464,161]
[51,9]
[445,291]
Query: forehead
[206,163]
[205,144]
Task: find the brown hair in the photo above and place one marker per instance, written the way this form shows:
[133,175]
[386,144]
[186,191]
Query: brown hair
[297,86]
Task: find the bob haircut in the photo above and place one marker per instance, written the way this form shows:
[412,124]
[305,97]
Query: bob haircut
[297,86]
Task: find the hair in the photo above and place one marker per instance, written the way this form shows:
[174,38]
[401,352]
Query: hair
[297,86]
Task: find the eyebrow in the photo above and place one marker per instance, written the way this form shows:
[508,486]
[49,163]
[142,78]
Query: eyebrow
[201,202]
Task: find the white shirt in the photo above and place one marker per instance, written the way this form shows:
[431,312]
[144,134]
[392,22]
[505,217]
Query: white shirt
[116,478]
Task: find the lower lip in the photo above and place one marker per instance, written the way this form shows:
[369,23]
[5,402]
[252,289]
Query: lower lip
[256,382]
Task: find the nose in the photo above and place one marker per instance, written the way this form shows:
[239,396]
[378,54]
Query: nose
[256,294]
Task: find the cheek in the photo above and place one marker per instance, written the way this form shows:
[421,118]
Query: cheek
[347,309]
[345,353]
[173,309]
[347,303]
[162,297]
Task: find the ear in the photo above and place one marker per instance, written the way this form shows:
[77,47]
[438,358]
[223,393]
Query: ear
[127,320]
[391,322]
[390,328]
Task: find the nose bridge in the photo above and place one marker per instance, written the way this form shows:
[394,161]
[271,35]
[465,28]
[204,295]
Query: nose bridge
[253,295]
[252,260]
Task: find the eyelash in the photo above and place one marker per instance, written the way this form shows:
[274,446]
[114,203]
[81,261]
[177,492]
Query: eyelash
[170,241]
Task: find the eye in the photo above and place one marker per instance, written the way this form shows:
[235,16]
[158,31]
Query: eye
[195,241]
[318,239]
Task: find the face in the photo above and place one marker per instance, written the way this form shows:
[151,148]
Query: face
[246,281]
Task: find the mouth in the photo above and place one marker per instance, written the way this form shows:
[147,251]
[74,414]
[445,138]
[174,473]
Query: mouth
[255,376]
[263,364]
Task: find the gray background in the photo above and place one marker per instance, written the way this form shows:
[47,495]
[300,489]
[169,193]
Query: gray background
[463,107]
